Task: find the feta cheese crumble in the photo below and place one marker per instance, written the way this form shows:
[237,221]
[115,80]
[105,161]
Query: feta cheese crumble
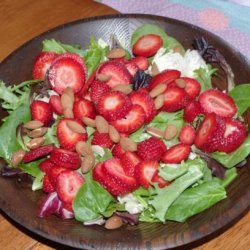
[132,205]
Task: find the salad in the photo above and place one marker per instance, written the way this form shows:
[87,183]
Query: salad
[112,135]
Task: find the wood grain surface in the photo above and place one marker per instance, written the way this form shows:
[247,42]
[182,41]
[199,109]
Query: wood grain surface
[21,20]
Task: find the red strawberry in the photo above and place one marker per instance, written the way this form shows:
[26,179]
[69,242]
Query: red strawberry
[151,149]
[166,76]
[42,64]
[47,186]
[55,102]
[46,165]
[117,151]
[53,173]
[67,70]
[192,110]
[158,179]
[98,89]
[65,158]
[141,62]
[176,153]
[209,133]
[38,153]
[66,137]
[102,139]
[129,160]
[147,45]
[114,105]
[84,108]
[68,183]
[142,98]
[41,111]
[213,100]
[175,99]
[131,67]
[133,120]
[88,96]
[118,72]
[145,171]
[114,172]
[187,134]
[234,135]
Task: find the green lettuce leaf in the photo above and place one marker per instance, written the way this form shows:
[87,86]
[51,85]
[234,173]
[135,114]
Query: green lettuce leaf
[195,200]
[230,175]
[241,96]
[31,168]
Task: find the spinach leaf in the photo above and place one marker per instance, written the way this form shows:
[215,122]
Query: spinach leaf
[241,96]
[168,41]
[233,158]
[91,200]
[113,207]
[195,200]
[166,196]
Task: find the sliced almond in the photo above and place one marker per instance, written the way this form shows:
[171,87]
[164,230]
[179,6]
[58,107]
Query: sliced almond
[66,101]
[159,89]
[69,91]
[82,148]
[170,132]
[127,144]
[33,124]
[154,70]
[116,53]
[159,101]
[103,77]
[102,125]
[76,127]
[180,83]
[114,134]
[68,113]
[87,163]
[17,157]
[113,222]
[124,88]
[35,143]
[89,122]
[38,132]
[155,132]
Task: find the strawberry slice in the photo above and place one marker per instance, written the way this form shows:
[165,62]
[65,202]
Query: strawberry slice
[41,111]
[84,108]
[102,139]
[133,120]
[187,134]
[68,183]
[118,72]
[175,99]
[145,171]
[66,137]
[131,67]
[47,186]
[154,145]
[46,165]
[159,180]
[98,89]
[234,135]
[192,110]
[166,76]
[67,70]
[209,133]
[147,45]
[117,151]
[42,64]
[53,173]
[213,100]
[176,153]
[141,62]
[55,102]
[114,105]
[38,153]
[129,160]
[65,158]
[142,98]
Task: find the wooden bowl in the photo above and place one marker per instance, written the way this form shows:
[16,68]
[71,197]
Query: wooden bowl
[21,204]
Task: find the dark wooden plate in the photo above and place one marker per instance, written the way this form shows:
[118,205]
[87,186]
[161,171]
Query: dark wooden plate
[21,204]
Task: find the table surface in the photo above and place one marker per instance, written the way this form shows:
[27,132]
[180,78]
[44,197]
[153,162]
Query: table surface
[20,21]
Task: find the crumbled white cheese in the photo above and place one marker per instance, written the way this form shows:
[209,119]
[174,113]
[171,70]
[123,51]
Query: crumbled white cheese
[98,150]
[192,156]
[98,221]
[132,205]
